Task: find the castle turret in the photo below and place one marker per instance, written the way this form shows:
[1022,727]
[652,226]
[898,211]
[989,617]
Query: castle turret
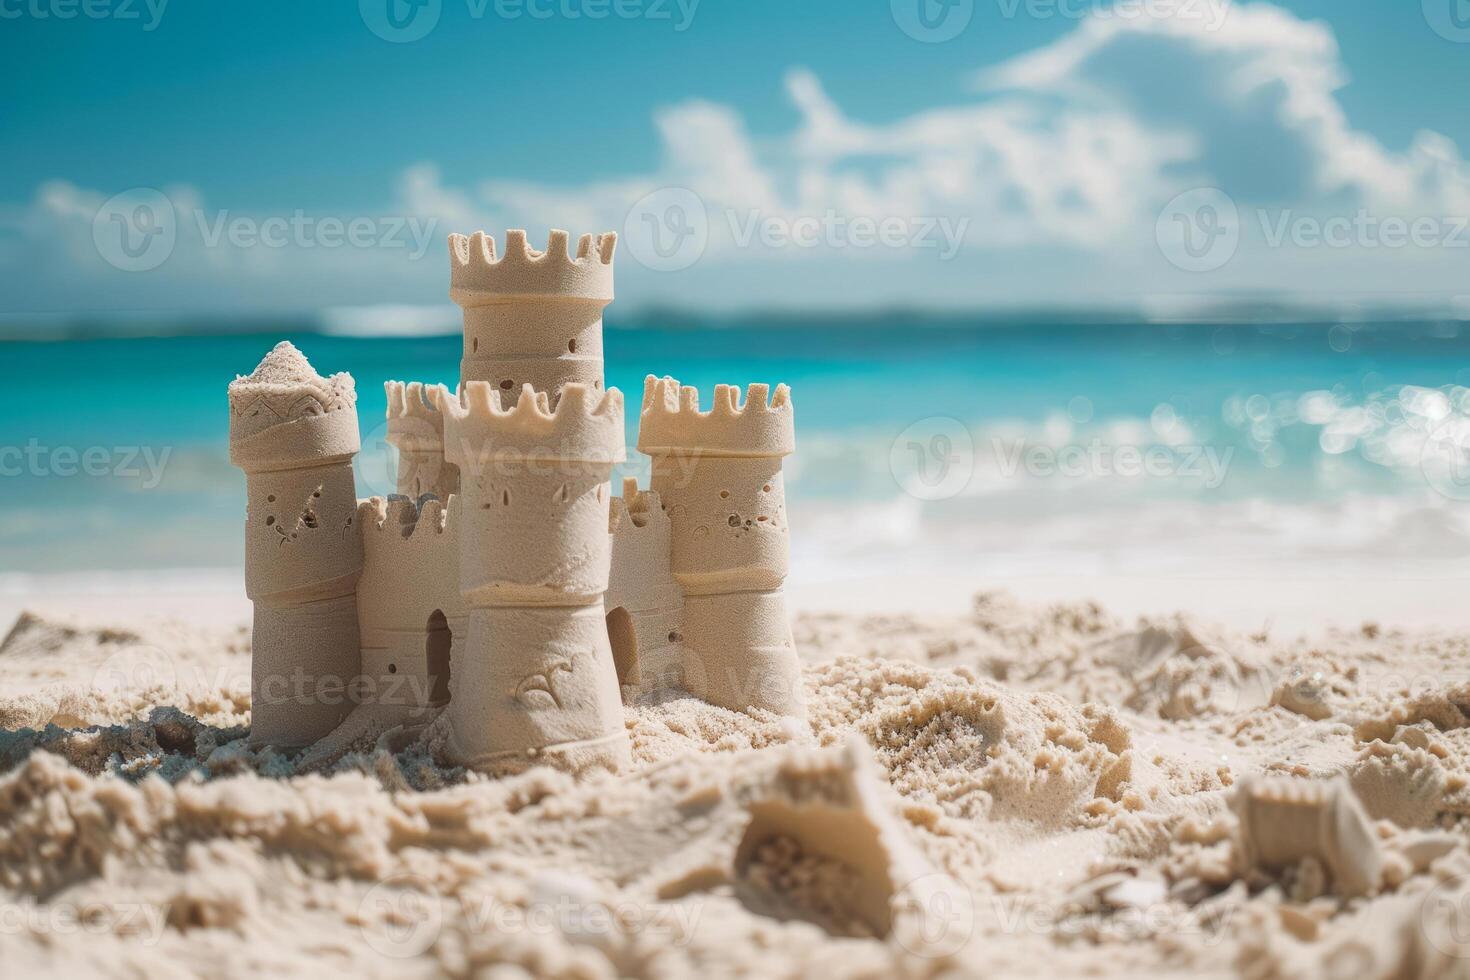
[645,606]
[718,474]
[409,606]
[294,433]
[536,680]
[532,317]
[416,430]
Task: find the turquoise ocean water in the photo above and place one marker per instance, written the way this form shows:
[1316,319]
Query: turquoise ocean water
[1043,444]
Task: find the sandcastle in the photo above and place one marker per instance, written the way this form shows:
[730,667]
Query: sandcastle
[503,597]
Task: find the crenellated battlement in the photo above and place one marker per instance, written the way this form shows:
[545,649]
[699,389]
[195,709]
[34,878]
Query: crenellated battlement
[415,399]
[415,423]
[503,567]
[403,517]
[635,509]
[586,425]
[671,421]
[478,276]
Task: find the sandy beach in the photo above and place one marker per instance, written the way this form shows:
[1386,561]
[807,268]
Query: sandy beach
[996,788]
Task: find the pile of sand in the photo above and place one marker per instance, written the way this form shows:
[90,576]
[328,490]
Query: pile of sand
[1014,791]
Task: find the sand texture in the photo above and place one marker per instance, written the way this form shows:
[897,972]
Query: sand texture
[1017,791]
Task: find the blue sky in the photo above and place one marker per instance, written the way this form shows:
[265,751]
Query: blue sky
[1032,159]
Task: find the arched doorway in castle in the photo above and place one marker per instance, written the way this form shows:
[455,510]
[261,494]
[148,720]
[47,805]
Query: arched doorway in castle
[438,644]
[624,641]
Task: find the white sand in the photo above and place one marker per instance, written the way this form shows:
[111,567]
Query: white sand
[1049,793]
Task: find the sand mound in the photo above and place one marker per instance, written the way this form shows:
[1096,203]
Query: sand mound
[999,794]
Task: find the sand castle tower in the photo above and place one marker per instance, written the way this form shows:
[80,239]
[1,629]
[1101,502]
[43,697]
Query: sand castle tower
[645,605]
[534,437]
[294,433]
[416,430]
[718,474]
[532,317]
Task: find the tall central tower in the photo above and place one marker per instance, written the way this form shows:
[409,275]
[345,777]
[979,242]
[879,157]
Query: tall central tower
[535,438]
[532,317]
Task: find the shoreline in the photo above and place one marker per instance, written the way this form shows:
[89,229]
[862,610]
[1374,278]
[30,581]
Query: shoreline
[1297,603]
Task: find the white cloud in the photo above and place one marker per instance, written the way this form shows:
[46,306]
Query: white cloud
[1051,181]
